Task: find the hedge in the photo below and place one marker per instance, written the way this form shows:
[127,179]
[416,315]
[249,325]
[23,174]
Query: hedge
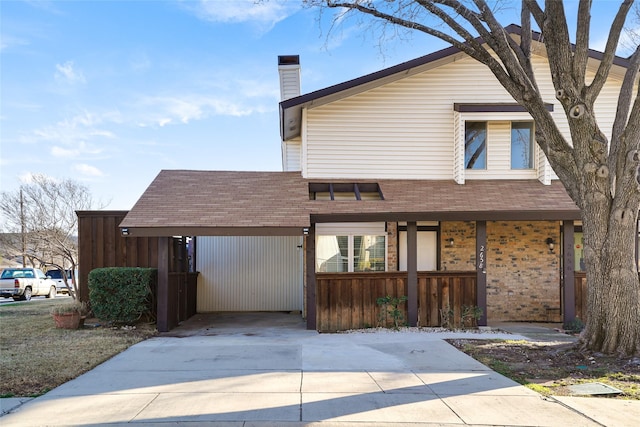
[122,294]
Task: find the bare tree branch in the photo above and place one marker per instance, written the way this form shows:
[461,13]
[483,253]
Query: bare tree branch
[609,51]
[582,40]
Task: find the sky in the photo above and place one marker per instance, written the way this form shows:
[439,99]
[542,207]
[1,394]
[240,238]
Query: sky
[108,93]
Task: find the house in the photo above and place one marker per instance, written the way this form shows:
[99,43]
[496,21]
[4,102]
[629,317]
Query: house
[420,180]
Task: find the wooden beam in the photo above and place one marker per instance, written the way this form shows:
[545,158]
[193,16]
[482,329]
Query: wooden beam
[163,284]
[412,273]
[356,190]
[568,276]
[481,270]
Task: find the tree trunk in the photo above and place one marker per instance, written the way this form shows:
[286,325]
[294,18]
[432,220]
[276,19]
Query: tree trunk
[613,320]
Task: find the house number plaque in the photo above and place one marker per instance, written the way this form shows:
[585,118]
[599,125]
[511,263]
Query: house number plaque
[481,260]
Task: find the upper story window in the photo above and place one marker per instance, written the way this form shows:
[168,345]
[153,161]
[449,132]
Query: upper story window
[475,145]
[522,145]
[496,141]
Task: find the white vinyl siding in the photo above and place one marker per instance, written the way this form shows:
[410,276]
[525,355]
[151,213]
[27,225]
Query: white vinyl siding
[289,81]
[405,129]
[291,153]
[249,274]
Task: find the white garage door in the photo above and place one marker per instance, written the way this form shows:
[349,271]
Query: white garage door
[249,273]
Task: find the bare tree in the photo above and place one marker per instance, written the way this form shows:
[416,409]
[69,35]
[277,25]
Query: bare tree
[40,223]
[602,176]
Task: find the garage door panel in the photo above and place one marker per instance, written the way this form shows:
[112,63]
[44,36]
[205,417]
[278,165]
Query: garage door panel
[249,273]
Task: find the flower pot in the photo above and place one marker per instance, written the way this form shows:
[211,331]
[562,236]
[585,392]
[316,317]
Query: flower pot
[67,320]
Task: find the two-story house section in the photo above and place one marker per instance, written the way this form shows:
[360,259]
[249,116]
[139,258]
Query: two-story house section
[420,180]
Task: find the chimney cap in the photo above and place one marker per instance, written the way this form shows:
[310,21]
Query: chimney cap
[289,60]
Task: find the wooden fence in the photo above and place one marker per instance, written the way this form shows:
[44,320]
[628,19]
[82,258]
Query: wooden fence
[348,300]
[101,244]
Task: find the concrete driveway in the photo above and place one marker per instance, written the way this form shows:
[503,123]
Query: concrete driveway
[242,374]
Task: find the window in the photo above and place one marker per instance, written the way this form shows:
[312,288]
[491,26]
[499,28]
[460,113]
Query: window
[336,254]
[578,251]
[369,253]
[522,145]
[475,145]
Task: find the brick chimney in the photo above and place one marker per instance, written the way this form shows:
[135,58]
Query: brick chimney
[289,70]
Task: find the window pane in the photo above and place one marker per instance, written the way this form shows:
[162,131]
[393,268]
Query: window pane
[521,145]
[578,239]
[368,253]
[475,145]
[332,254]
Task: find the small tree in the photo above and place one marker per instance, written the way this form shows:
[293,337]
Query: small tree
[40,223]
[602,175]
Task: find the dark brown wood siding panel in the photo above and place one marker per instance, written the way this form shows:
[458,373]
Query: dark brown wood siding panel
[101,244]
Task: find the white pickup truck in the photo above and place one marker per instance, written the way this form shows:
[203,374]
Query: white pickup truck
[23,283]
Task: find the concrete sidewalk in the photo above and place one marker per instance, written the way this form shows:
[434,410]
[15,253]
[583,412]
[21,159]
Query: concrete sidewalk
[293,377]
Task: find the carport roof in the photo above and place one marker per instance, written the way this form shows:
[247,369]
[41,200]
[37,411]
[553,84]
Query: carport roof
[198,203]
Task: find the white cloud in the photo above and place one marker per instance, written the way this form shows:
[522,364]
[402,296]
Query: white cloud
[87,170]
[165,110]
[264,14]
[61,152]
[7,42]
[79,137]
[68,73]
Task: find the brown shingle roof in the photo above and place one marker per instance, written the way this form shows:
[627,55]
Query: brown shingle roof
[181,202]
[229,202]
[440,200]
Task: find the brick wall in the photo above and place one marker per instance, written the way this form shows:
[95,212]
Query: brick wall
[462,255]
[392,246]
[523,276]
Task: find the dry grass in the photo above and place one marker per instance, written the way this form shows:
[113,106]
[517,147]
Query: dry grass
[549,368]
[35,357]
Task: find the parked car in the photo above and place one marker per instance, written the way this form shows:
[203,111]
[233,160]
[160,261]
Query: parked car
[57,276]
[23,283]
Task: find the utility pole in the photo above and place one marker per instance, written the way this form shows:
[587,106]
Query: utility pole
[23,235]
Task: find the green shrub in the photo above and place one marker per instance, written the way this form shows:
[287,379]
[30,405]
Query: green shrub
[121,294]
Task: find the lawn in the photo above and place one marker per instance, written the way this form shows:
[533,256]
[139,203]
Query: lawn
[550,368]
[35,357]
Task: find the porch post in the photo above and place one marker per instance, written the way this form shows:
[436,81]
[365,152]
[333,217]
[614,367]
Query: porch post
[310,262]
[568,277]
[412,273]
[637,243]
[163,284]
[481,270]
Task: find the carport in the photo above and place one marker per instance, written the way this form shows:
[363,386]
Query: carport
[213,203]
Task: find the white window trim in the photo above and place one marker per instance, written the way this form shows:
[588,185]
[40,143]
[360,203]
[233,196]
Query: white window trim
[541,169]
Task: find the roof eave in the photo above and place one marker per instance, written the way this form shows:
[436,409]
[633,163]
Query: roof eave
[209,231]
